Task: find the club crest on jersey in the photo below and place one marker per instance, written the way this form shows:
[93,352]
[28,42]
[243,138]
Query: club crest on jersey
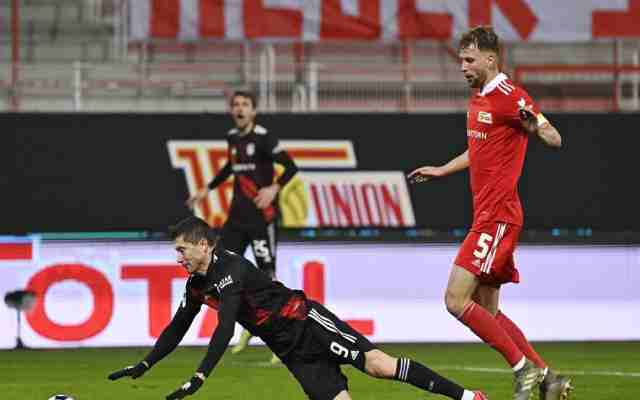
[522,103]
[251,149]
[485,117]
[224,282]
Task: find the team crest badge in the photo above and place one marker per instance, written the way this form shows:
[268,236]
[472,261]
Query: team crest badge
[251,149]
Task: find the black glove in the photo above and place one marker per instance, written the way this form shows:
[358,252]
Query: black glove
[134,371]
[188,388]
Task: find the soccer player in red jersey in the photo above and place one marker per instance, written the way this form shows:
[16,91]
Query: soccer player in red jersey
[500,118]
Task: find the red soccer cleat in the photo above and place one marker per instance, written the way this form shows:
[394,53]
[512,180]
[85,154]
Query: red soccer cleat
[480,396]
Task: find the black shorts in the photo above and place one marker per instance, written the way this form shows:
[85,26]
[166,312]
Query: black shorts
[327,343]
[262,238]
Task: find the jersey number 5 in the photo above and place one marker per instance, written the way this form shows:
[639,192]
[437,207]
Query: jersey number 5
[484,242]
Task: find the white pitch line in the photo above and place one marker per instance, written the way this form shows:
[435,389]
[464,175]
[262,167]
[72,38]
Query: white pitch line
[266,364]
[508,371]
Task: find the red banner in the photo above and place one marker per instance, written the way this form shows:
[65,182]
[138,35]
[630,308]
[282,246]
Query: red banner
[514,20]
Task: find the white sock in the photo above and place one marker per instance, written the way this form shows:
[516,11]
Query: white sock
[468,395]
[519,365]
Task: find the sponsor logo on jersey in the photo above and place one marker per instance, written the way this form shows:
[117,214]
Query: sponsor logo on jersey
[354,354]
[224,282]
[484,117]
[473,134]
[243,167]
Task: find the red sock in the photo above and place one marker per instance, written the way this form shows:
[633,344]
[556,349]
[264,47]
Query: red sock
[489,330]
[520,340]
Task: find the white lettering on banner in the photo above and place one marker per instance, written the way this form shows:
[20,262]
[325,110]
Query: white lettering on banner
[359,199]
[531,20]
[135,288]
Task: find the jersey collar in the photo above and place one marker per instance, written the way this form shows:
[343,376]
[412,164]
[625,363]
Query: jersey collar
[501,77]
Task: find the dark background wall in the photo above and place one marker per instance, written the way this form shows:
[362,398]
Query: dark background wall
[92,172]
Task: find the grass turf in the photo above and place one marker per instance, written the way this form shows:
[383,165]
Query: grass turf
[600,371]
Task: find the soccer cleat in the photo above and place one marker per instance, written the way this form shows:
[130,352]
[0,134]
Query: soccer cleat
[478,395]
[526,380]
[555,387]
[243,342]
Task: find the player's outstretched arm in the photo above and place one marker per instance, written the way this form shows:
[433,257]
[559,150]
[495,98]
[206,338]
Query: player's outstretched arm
[201,194]
[134,371]
[166,343]
[219,342]
[428,172]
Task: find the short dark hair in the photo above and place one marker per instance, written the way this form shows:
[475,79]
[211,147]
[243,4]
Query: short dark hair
[193,229]
[482,37]
[244,93]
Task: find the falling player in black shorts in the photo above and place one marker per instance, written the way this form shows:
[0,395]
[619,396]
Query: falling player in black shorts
[251,153]
[311,341]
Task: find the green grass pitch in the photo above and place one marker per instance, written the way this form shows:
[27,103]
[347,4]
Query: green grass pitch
[600,371]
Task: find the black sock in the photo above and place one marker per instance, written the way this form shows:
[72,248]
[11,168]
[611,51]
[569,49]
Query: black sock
[418,375]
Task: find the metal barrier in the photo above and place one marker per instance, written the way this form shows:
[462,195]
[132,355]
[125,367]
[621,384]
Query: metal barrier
[291,77]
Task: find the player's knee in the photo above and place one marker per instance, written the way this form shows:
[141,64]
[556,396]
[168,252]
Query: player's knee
[454,303]
[379,364]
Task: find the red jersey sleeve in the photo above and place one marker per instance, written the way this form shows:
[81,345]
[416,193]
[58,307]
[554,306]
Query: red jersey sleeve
[513,103]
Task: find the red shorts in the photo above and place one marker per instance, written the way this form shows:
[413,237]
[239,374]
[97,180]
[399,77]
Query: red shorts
[488,253]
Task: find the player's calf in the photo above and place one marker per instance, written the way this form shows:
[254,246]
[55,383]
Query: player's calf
[424,378]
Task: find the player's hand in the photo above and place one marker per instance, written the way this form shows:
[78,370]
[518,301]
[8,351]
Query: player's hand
[188,388]
[528,119]
[423,174]
[266,195]
[134,371]
[196,198]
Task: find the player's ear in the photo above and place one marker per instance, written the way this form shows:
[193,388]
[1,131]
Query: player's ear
[491,59]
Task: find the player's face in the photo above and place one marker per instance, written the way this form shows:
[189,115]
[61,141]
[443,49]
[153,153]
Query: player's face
[192,256]
[475,65]
[242,111]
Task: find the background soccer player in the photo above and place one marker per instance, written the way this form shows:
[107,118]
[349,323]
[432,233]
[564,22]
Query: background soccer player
[500,119]
[311,341]
[253,216]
